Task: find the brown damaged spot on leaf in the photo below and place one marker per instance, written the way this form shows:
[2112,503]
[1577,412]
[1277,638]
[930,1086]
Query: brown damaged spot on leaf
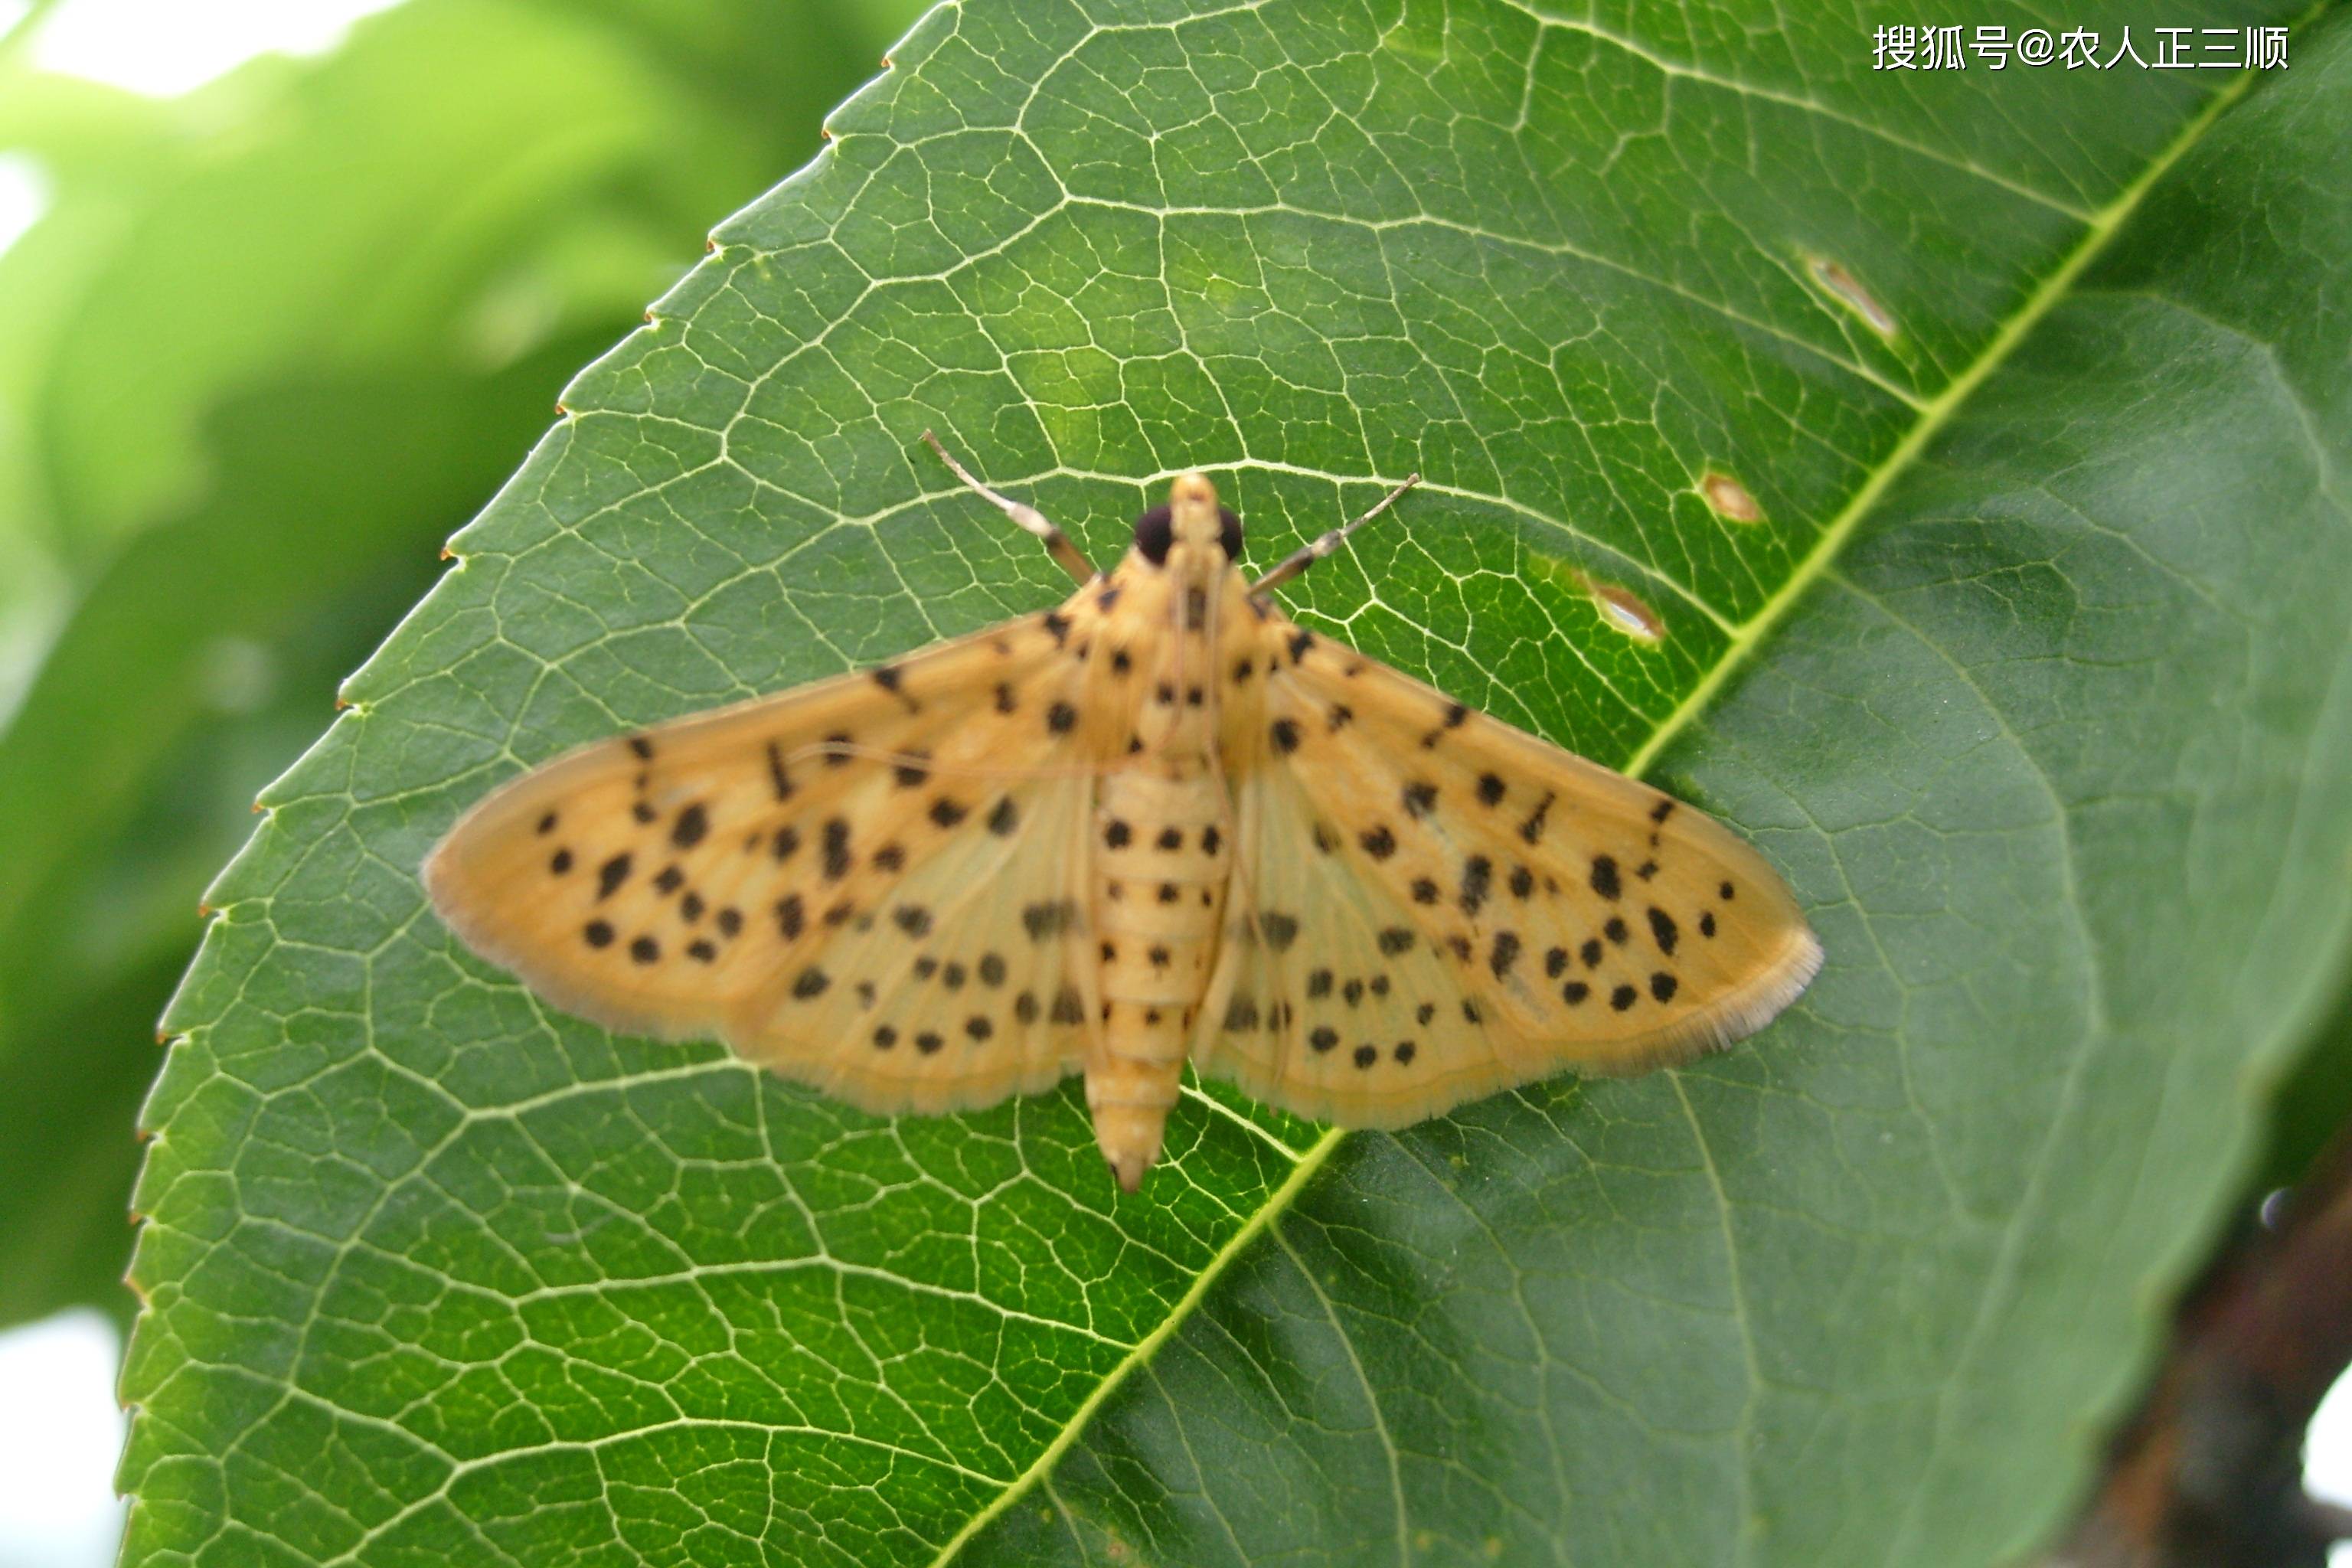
[1729,498]
[1625,611]
[1847,290]
[1622,609]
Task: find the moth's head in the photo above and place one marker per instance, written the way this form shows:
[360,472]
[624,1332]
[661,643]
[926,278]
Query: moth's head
[1192,521]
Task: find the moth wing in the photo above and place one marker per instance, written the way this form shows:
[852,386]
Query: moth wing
[1528,910]
[703,877]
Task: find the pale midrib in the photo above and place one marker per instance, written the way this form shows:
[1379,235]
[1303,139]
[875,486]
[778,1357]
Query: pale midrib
[1933,416]
[1275,1201]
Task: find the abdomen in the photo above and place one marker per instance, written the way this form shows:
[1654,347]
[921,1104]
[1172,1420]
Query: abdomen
[1162,857]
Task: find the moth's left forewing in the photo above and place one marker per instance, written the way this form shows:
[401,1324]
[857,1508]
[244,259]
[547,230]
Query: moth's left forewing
[838,880]
[1559,914]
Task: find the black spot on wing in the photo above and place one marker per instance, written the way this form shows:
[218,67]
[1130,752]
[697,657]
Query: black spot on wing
[1451,719]
[1048,918]
[1662,929]
[1505,953]
[612,874]
[1477,876]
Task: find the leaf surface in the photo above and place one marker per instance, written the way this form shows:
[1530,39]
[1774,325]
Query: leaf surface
[2033,675]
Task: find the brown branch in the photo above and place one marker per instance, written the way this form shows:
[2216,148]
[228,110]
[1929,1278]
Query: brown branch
[2210,1473]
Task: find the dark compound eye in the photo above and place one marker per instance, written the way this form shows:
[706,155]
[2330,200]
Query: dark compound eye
[1230,538]
[1153,534]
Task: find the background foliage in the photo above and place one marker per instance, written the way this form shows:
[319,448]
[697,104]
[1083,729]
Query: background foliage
[2031,676]
[269,344]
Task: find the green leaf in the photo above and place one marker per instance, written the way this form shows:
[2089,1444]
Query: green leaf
[2033,677]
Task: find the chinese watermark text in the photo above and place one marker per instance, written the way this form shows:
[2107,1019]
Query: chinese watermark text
[1932,49]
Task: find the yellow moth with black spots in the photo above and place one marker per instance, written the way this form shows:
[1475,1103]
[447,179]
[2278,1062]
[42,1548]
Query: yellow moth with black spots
[1160,824]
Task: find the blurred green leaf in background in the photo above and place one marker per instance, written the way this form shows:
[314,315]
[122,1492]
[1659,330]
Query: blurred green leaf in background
[265,345]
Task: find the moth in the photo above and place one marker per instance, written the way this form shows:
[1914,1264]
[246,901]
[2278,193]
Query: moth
[1159,823]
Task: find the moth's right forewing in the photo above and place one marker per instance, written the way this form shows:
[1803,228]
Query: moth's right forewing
[1432,905]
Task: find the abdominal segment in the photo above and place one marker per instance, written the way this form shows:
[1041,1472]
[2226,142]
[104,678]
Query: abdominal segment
[1161,863]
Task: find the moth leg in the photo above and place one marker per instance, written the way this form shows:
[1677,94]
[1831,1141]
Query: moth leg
[1300,559]
[1057,543]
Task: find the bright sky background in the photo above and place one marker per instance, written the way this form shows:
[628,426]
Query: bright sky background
[165,47]
[62,1430]
[59,1441]
[2327,1457]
